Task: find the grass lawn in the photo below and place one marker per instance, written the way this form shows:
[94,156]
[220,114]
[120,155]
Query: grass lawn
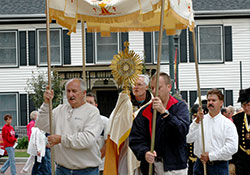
[21,153]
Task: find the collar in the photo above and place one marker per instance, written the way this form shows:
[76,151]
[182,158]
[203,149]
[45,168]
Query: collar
[148,112]
[215,117]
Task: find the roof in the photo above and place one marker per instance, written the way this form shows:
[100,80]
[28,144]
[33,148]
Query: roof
[27,7]
[22,7]
[220,5]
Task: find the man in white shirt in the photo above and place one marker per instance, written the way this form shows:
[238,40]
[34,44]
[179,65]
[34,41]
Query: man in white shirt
[76,125]
[221,138]
[101,141]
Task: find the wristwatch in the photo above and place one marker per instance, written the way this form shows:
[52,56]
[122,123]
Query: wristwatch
[165,114]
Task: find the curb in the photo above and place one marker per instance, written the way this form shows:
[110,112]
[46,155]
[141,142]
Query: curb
[18,160]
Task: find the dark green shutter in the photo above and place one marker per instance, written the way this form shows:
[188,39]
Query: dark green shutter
[89,47]
[67,54]
[192,97]
[184,96]
[124,37]
[229,97]
[148,47]
[183,46]
[191,47]
[23,54]
[31,104]
[228,44]
[32,53]
[23,109]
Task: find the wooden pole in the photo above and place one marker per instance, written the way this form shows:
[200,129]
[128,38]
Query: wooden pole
[157,81]
[83,54]
[199,95]
[49,83]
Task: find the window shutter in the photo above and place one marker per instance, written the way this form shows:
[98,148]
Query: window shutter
[192,97]
[147,47]
[229,97]
[124,37]
[23,54]
[184,95]
[67,54]
[191,47]
[32,53]
[89,47]
[228,44]
[31,104]
[183,46]
[23,109]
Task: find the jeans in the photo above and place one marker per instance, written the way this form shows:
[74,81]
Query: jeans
[220,168]
[43,168]
[60,170]
[10,162]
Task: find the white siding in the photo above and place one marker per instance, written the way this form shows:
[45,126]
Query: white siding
[76,46]
[226,75]
[15,79]
[136,43]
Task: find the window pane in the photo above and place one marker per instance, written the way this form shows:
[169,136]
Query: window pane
[164,49]
[107,47]
[8,106]
[105,53]
[210,52]
[210,44]
[55,50]
[8,48]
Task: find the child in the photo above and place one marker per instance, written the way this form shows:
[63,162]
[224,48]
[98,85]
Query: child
[9,140]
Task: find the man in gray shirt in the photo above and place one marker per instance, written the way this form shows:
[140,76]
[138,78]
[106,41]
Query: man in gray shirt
[76,125]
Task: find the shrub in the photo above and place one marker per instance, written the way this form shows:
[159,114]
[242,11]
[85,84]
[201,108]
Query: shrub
[22,143]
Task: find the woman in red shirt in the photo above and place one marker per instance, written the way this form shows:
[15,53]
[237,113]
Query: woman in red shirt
[9,139]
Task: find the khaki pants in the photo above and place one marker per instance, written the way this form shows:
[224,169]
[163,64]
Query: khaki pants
[159,170]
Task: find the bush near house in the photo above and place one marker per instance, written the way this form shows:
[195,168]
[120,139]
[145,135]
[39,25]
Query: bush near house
[23,143]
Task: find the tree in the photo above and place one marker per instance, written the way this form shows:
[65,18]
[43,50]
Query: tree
[37,84]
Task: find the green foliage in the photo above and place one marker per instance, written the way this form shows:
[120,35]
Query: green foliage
[37,86]
[22,143]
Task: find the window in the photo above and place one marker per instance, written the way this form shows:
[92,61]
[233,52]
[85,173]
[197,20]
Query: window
[8,105]
[8,49]
[107,47]
[55,46]
[164,49]
[210,44]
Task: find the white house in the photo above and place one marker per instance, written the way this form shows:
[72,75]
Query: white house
[223,49]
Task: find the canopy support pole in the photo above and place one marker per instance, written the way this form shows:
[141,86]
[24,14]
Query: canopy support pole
[199,95]
[49,84]
[83,54]
[157,81]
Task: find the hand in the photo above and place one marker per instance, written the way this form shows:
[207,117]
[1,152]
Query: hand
[200,115]
[38,153]
[157,105]
[204,157]
[150,157]
[103,150]
[54,139]
[48,94]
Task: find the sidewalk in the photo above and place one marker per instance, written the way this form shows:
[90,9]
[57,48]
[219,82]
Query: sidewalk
[20,162]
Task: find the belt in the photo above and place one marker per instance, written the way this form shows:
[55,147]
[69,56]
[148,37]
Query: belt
[216,162]
[158,159]
[89,168]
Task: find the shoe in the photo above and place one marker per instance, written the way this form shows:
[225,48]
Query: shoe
[23,172]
